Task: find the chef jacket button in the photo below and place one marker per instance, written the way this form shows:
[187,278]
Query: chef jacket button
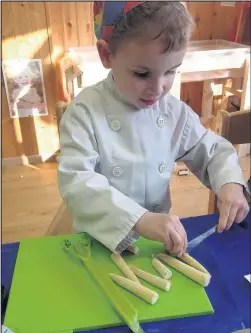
[157,209]
[162,168]
[117,171]
[115,125]
[161,122]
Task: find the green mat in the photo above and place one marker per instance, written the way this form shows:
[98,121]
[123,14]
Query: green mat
[52,292]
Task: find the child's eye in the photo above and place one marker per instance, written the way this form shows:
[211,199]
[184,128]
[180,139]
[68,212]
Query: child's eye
[170,72]
[142,75]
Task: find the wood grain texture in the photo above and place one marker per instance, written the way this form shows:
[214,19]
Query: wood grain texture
[212,21]
[71,33]
[25,36]
[46,30]
[85,23]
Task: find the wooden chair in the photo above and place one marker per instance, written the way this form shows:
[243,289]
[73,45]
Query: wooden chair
[235,127]
[69,79]
[70,84]
[240,89]
[61,223]
[60,109]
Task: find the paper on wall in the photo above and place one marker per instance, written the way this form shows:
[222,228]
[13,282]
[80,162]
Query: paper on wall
[24,85]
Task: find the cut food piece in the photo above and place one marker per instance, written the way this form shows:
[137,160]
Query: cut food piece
[137,289]
[195,275]
[153,279]
[122,265]
[193,263]
[161,269]
[132,249]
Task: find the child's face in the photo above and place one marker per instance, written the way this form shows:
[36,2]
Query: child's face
[142,72]
[23,79]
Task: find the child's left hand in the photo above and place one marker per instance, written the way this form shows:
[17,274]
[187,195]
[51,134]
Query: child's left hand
[232,205]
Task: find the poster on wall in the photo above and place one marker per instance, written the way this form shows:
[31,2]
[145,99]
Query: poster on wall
[24,84]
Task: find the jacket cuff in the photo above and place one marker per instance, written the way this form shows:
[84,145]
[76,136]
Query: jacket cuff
[128,240]
[228,178]
[127,236]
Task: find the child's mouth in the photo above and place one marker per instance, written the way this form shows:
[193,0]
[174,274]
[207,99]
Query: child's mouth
[148,101]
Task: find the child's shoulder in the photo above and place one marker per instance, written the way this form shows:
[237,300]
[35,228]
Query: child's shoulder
[89,95]
[88,100]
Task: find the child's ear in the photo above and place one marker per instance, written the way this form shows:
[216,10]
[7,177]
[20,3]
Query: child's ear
[104,53]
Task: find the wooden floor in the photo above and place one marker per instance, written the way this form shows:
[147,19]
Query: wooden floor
[30,198]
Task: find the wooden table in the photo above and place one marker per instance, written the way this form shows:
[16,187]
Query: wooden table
[215,59]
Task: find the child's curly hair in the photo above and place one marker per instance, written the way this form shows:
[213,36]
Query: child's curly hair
[153,19]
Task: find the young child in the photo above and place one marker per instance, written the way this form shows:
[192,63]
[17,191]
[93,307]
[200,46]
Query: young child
[25,95]
[120,138]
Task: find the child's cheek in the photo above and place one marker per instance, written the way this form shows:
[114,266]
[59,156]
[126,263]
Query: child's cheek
[168,83]
[137,85]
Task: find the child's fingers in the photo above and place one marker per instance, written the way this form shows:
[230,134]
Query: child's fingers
[182,233]
[185,244]
[168,242]
[232,216]
[224,214]
[185,241]
[177,242]
[241,215]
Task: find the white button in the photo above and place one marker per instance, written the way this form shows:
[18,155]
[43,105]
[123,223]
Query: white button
[162,168]
[161,122]
[157,209]
[117,171]
[115,125]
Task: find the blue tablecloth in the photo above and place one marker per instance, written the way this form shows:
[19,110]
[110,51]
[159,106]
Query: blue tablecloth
[226,256]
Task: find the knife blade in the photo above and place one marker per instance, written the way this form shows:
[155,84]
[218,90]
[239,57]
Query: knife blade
[199,239]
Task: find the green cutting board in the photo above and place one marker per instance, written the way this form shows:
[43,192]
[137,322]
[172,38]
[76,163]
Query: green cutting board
[52,291]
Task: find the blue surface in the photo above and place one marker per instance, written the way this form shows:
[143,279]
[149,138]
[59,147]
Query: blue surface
[226,256]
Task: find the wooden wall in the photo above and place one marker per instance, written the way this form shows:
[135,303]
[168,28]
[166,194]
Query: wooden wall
[25,35]
[46,30]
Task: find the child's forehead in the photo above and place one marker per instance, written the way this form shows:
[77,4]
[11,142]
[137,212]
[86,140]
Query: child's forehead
[138,53]
[107,14]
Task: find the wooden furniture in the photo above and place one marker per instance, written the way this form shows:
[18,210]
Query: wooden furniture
[235,127]
[241,91]
[69,79]
[61,223]
[60,109]
[204,61]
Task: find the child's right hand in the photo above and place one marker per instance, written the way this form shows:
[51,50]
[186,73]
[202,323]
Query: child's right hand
[164,228]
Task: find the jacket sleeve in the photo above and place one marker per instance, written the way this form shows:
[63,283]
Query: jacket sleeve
[210,157]
[98,208]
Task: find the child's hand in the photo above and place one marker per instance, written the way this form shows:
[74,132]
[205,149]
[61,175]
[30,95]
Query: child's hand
[164,228]
[232,205]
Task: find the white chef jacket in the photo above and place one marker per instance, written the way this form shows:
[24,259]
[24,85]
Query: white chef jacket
[116,161]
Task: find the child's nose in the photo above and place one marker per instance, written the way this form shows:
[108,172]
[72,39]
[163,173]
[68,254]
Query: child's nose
[155,89]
